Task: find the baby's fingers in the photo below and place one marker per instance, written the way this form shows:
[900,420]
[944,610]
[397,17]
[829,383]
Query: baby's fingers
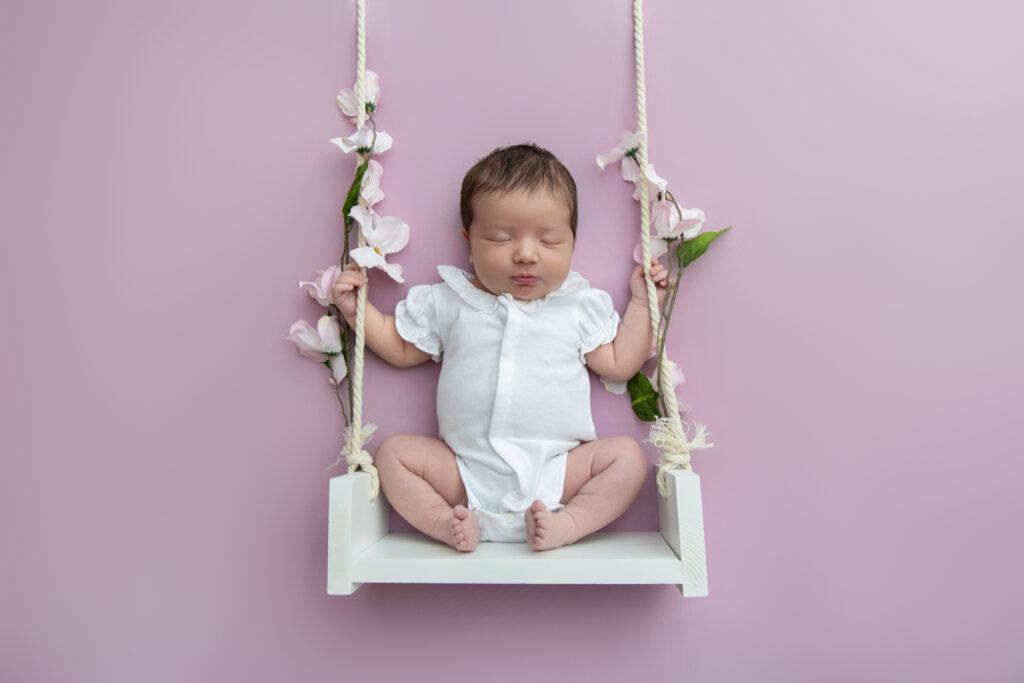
[350,279]
[659,274]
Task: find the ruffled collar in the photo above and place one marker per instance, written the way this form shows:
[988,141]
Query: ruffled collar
[459,281]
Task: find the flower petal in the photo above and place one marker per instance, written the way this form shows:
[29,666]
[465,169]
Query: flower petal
[361,139]
[312,354]
[338,369]
[364,217]
[330,334]
[390,234]
[666,217]
[395,271]
[613,387]
[630,171]
[314,291]
[655,179]
[307,339]
[610,157]
[348,103]
[630,140]
[367,257]
[382,144]
[372,86]
[691,222]
[328,277]
[370,190]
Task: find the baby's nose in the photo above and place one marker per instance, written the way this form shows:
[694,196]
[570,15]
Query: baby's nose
[526,251]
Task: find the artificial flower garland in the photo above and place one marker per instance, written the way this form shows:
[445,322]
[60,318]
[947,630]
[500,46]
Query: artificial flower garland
[330,342]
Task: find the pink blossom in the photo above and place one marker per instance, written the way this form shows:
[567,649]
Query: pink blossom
[350,105]
[320,288]
[669,222]
[317,343]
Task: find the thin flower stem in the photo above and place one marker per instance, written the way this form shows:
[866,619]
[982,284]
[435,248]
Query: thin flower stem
[662,336]
[666,317]
[337,391]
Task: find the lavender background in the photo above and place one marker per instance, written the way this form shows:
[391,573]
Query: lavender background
[853,344]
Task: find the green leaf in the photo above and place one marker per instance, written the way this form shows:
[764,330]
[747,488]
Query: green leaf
[643,397]
[691,250]
[353,191]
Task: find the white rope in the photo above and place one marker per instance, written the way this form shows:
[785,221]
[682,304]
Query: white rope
[667,434]
[357,435]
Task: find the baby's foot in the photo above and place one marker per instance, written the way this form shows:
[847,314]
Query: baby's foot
[465,529]
[546,530]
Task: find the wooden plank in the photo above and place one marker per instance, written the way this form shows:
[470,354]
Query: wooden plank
[360,550]
[603,558]
[354,523]
[681,520]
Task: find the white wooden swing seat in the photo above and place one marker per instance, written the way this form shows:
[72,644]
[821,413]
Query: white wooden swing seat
[360,549]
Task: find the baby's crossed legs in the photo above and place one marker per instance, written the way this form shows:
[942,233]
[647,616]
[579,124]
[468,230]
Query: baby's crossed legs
[422,482]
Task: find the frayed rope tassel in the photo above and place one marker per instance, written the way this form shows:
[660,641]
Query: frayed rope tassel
[358,459]
[668,437]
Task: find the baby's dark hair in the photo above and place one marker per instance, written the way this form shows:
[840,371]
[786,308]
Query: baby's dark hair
[518,167]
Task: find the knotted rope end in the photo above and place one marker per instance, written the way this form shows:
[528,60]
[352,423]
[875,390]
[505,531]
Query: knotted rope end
[356,458]
[669,436]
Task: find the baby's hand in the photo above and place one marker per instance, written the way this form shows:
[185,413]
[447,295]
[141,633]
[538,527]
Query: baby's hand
[344,290]
[638,287]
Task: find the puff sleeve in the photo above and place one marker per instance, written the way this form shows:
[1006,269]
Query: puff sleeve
[416,321]
[599,321]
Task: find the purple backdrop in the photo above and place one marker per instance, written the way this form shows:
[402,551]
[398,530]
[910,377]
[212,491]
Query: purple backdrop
[852,343]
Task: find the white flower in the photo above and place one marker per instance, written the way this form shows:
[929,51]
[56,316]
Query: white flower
[655,184]
[668,222]
[384,236]
[320,288]
[320,343]
[361,140]
[347,97]
[626,150]
[629,143]
[370,190]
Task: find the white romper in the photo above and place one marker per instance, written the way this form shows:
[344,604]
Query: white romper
[513,397]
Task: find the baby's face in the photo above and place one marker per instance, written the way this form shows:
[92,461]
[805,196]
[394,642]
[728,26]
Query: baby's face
[520,243]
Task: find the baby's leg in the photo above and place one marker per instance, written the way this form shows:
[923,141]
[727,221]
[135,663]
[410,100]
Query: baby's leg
[420,479]
[602,479]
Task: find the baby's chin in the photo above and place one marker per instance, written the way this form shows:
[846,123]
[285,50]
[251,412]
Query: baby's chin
[532,292]
[519,292]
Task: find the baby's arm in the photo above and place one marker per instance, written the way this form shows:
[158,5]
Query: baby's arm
[381,334]
[621,358]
